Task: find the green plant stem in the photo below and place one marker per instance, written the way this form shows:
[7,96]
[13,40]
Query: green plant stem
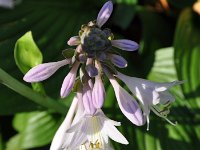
[27,92]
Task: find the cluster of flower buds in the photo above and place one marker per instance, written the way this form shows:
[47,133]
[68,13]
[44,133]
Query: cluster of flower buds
[86,127]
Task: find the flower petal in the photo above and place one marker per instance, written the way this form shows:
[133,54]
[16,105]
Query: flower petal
[159,87]
[87,100]
[141,89]
[127,104]
[118,61]
[113,133]
[165,97]
[104,13]
[73,41]
[98,93]
[44,71]
[59,137]
[126,45]
[69,81]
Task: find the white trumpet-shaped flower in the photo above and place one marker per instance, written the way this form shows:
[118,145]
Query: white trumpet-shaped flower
[59,137]
[150,94]
[93,133]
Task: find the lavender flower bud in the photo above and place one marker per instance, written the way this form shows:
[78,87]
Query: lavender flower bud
[69,81]
[98,93]
[87,99]
[118,61]
[91,70]
[126,45]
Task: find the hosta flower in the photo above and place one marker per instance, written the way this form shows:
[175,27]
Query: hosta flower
[91,60]
[86,130]
[92,132]
[151,94]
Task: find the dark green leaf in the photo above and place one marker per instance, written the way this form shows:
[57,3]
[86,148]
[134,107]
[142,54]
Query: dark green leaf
[35,129]
[123,15]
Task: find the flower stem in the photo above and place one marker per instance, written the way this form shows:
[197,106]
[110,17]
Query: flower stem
[27,92]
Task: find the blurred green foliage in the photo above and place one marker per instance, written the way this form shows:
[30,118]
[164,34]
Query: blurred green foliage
[169,37]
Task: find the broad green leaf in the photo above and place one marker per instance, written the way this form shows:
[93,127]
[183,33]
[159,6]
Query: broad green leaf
[26,52]
[187,52]
[164,71]
[35,129]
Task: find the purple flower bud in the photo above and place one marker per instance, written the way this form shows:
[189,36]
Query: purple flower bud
[82,58]
[126,45]
[87,100]
[104,13]
[44,71]
[69,81]
[91,70]
[98,93]
[118,61]
[73,41]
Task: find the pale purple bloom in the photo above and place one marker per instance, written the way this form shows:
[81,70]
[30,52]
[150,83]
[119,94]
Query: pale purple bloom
[127,45]
[69,81]
[150,94]
[92,132]
[127,104]
[98,93]
[104,13]
[118,61]
[87,98]
[44,71]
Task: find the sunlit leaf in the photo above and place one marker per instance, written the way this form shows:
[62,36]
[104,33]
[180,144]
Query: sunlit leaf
[180,135]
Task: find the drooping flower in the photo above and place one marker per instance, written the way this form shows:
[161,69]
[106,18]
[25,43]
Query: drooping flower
[86,129]
[151,95]
[93,132]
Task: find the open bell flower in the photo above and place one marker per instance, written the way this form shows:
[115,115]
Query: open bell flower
[85,130]
[93,133]
[151,94]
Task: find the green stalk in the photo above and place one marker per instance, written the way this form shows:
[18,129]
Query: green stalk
[27,92]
